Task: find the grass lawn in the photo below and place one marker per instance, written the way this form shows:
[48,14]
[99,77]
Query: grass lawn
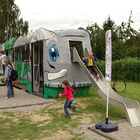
[132,91]
[49,123]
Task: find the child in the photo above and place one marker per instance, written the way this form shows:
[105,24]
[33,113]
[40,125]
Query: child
[90,63]
[68,94]
[9,84]
[3,58]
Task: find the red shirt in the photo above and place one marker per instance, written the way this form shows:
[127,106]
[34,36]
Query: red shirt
[68,93]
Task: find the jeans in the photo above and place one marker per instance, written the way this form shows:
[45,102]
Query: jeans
[3,68]
[68,105]
[93,69]
[10,89]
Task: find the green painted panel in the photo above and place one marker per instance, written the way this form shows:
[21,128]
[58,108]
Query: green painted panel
[54,92]
[25,84]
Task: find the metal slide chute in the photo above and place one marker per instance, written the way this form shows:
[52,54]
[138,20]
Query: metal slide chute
[130,107]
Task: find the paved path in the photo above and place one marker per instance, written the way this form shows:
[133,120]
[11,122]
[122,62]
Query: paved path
[125,132]
[21,99]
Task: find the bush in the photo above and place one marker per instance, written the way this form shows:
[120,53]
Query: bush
[127,69]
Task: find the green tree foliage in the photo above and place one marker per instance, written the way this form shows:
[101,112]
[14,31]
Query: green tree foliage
[97,36]
[125,40]
[10,22]
[117,44]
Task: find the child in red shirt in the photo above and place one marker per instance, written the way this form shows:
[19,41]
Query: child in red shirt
[68,94]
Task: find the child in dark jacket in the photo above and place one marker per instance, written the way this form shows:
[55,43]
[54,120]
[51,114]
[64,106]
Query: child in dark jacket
[68,94]
[90,64]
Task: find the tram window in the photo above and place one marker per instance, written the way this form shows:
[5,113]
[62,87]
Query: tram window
[17,54]
[25,53]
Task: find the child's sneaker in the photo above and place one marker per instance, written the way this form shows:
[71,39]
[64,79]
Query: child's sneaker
[68,117]
[97,76]
[74,108]
[6,97]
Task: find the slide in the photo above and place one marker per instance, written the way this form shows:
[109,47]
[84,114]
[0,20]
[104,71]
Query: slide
[131,108]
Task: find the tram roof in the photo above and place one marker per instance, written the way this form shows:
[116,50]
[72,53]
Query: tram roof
[44,34]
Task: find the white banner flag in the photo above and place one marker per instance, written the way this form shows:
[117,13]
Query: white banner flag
[108,55]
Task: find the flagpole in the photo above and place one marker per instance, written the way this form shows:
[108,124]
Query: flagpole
[107,126]
[107,102]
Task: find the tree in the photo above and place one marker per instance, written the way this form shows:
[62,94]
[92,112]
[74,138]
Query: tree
[130,37]
[97,37]
[125,40]
[10,23]
[109,24]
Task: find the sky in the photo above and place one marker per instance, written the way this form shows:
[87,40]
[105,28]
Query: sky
[72,14]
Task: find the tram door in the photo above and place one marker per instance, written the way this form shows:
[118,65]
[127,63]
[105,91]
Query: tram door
[37,64]
[79,47]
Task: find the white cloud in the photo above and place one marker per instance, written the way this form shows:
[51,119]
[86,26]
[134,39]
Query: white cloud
[63,14]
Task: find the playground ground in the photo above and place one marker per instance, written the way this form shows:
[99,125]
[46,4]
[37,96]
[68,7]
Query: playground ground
[24,102]
[21,99]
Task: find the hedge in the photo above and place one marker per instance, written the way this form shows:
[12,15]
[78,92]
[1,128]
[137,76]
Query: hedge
[126,69]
